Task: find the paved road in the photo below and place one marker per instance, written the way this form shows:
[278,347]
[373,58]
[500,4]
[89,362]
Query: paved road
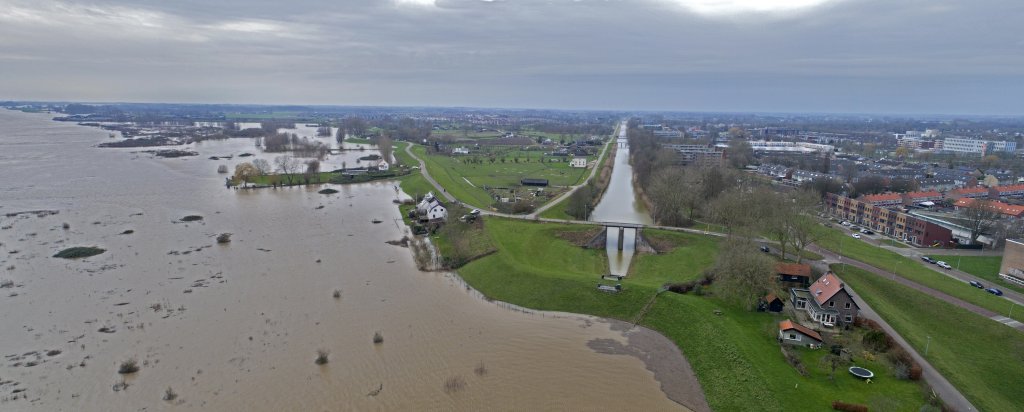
[831,257]
[426,175]
[1011,296]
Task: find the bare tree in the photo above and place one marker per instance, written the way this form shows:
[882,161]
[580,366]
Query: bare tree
[742,274]
[980,217]
[288,166]
[312,170]
[262,166]
[384,145]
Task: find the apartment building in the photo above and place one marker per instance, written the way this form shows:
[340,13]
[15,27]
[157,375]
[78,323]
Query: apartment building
[977,146]
[886,221]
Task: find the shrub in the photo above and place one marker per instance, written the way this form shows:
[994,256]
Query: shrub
[480,369]
[191,218]
[321,356]
[454,384]
[79,252]
[169,394]
[378,338]
[328,191]
[876,341]
[337,294]
[128,366]
[224,238]
[848,407]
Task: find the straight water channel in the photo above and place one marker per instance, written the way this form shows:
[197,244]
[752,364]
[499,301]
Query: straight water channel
[620,205]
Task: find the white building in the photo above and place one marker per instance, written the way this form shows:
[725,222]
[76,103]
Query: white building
[431,209]
[578,162]
[383,166]
[460,150]
[977,146]
[763,146]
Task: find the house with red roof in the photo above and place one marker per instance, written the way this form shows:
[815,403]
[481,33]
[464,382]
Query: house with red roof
[826,301]
[968,192]
[1004,209]
[796,334]
[883,199]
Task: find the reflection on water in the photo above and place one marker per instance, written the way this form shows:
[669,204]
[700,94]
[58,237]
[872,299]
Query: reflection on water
[236,326]
[620,205]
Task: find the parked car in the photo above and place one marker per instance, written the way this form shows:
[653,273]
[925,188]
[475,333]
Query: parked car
[977,284]
[928,259]
[845,223]
[868,232]
[943,265]
[766,249]
[994,291]
[854,227]
[856,235]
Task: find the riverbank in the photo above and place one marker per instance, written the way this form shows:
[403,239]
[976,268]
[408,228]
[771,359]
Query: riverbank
[734,356]
[303,179]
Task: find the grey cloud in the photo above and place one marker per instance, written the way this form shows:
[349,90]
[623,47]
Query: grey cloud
[912,55]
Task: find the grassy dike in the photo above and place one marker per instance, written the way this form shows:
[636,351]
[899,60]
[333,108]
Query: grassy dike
[735,355]
[912,269]
[981,358]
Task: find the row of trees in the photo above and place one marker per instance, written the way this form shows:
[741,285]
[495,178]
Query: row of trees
[287,166]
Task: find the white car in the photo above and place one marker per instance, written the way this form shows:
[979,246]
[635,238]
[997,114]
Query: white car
[943,265]
[856,235]
[845,223]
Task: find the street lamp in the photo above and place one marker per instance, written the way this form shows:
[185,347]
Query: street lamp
[927,345]
[894,270]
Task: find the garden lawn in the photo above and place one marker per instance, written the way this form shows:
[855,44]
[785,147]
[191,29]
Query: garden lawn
[558,210]
[985,267]
[737,359]
[980,357]
[912,269]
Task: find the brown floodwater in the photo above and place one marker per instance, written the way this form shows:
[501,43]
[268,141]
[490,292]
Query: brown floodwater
[236,326]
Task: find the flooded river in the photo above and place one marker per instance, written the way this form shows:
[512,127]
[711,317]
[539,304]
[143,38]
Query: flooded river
[620,205]
[236,326]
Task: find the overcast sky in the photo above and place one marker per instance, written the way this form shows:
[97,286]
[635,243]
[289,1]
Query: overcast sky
[875,56]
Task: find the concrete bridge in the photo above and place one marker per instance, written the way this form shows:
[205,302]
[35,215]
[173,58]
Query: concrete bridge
[621,228]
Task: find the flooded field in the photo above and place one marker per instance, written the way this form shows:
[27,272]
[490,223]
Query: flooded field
[237,326]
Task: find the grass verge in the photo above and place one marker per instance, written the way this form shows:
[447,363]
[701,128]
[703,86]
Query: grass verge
[980,357]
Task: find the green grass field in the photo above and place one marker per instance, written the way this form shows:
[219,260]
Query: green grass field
[735,355]
[981,358]
[557,211]
[912,269]
[985,267]
[466,180]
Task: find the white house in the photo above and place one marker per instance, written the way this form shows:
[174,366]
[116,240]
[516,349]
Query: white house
[431,209]
[578,162]
[460,150]
[383,165]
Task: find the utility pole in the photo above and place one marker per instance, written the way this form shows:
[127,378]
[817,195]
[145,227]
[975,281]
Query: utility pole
[927,346]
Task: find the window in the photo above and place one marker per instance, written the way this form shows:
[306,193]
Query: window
[831,304]
[849,318]
[792,336]
[847,305]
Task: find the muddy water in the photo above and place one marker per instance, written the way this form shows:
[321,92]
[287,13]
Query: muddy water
[620,205]
[237,326]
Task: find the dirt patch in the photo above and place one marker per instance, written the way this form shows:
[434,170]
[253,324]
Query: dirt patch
[580,238]
[660,356]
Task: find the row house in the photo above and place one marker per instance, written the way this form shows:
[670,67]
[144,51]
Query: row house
[1005,192]
[1004,209]
[883,199]
[917,198]
[889,222]
[968,192]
